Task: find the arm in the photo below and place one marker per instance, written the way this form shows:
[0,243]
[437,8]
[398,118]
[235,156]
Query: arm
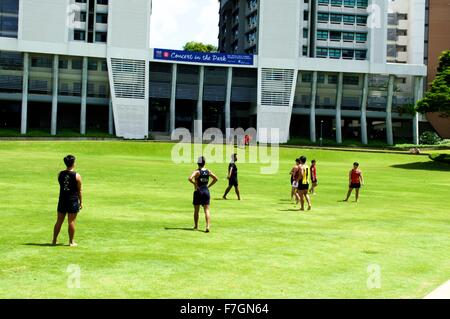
[361,179]
[192,179]
[214,179]
[230,172]
[80,196]
[350,178]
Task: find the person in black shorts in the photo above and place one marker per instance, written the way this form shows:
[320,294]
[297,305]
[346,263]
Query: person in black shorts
[233,178]
[70,199]
[200,179]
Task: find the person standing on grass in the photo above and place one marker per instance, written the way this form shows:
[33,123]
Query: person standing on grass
[200,179]
[295,171]
[313,177]
[70,199]
[233,177]
[303,184]
[356,180]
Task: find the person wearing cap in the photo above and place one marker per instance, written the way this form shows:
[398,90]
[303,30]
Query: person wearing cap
[200,179]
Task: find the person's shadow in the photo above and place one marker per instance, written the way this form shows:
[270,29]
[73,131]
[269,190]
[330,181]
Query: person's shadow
[44,245]
[183,229]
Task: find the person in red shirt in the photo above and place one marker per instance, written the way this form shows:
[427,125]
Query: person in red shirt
[313,169]
[295,171]
[355,181]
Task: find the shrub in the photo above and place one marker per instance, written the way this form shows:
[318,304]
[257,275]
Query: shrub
[430,138]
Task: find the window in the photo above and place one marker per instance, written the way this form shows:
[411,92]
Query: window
[360,54]
[322,35]
[322,52]
[41,62]
[104,2]
[306,77]
[348,36]
[80,16]
[335,35]
[101,37]
[347,54]
[9,18]
[77,64]
[101,18]
[361,37]
[349,19]
[305,15]
[63,64]
[324,2]
[305,33]
[79,35]
[92,65]
[361,20]
[323,17]
[321,78]
[9,6]
[305,51]
[362,3]
[336,18]
[351,80]
[332,79]
[336,3]
[104,66]
[335,53]
[349,3]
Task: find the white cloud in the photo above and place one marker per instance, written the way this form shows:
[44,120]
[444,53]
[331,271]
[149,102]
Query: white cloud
[175,22]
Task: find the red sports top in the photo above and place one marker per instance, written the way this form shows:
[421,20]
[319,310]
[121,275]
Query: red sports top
[356,174]
[313,172]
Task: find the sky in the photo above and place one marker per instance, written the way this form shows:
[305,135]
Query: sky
[175,22]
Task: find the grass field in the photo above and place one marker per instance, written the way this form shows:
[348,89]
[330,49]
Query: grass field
[137,202]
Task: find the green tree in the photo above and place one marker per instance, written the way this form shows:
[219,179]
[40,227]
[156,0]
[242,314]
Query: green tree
[437,98]
[199,47]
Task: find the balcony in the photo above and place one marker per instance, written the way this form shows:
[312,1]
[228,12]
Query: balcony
[402,57]
[403,25]
[402,40]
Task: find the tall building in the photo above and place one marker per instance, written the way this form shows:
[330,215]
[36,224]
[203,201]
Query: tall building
[324,68]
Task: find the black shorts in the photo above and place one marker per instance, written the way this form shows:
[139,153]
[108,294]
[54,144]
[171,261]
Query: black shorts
[303,187]
[201,197]
[71,206]
[233,182]
[355,185]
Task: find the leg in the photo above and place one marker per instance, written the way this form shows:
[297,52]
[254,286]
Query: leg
[302,200]
[236,188]
[348,194]
[357,194]
[308,199]
[196,211]
[57,228]
[207,217]
[227,191]
[72,219]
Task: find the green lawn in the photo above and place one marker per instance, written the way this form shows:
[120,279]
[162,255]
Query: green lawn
[137,201]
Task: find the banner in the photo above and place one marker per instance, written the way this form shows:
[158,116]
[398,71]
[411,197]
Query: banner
[202,57]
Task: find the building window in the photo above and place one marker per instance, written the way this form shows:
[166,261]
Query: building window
[305,33]
[335,18]
[349,3]
[324,2]
[322,52]
[361,20]
[322,35]
[335,53]
[348,36]
[360,54]
[305,50]
[336,3]
[79,35]
[335,35]
[77,64]
[323,17]
[361,37]
[101,18]
[321,78]
[347,54]
[306,77]
[101,37]
[63,64]
[41,62]
[104,2]
[9,18]
[349,19]
[92,65]
[362,3]
[351,80]
[332,79]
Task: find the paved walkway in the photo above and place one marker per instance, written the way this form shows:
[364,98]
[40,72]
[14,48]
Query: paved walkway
[443,292]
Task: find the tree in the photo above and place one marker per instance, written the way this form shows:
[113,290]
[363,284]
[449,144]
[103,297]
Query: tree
[199,47]
[437,98]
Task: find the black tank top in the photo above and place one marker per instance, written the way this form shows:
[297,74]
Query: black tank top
[68,188]
[203,179]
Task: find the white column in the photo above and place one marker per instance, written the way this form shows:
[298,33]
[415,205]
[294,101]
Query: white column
[110,118]
[389,129]
[228,102]
[364,139]
[418,95]
[312,115]
[54,121]
[200,102]
[84,88]
[338,108]
[26,67]
[173,98]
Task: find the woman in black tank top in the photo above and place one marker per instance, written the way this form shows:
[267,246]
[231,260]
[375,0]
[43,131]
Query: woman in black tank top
[70,199]
[200,179]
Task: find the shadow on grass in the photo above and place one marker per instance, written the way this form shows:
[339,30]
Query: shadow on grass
[43,245]
[426,166]
[289,210]
[183,229]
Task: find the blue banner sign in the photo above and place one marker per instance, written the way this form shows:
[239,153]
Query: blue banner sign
[202,57]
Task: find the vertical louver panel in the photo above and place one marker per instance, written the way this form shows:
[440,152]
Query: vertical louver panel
[129,78]
[276,87]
